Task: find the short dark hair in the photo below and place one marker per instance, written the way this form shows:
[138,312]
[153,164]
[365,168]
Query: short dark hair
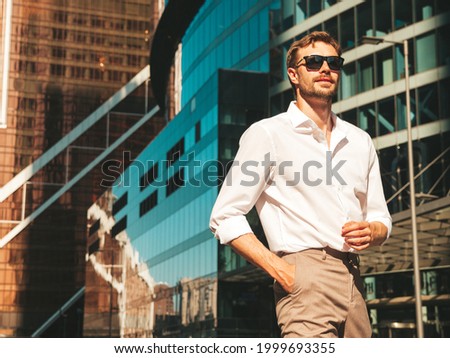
[316,36]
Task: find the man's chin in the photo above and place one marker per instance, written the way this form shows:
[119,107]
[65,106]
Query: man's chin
[320,95]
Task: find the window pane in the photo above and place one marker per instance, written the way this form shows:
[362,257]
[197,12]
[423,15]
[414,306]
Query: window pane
[288,14]
[364,18]
[383,17]
[367,120]
[300,11]
[365,79]
[385,67]
[314,7]
[388,172]
[331,27]
[403,13]
[348,81]
[347,30]
[275,17]
[399,62]
[424,9]
[328,3]
[442,6]
[443,48]
[426,52]
[386,116]
[428,104]
[401,110]
[444,98]
[349,116]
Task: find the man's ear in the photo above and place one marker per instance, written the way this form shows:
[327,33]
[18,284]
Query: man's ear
[293,75]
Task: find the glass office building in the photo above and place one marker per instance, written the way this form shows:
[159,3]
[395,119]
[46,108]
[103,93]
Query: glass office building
[233,73]
[66,58]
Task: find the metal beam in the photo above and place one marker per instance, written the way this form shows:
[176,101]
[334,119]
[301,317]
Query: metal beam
[59,313]
[22,177]
[24,223]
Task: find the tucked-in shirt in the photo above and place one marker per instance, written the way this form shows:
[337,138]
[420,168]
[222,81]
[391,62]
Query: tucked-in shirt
[303,189]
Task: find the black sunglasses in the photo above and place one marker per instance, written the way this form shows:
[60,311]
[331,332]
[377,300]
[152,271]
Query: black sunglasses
[315,62]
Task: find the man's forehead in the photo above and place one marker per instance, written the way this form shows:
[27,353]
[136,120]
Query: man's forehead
[318,46]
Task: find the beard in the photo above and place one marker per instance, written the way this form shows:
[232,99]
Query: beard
[312,91]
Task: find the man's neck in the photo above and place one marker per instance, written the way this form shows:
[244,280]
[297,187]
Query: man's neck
[319,110]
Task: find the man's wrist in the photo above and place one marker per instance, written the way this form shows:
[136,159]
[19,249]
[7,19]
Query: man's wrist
[378,232]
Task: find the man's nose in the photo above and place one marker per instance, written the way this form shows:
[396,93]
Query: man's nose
[325,68]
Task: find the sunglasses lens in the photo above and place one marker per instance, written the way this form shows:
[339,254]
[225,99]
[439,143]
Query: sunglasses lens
[335,63]
[314,62]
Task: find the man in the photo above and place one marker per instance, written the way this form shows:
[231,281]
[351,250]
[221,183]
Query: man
[315,182]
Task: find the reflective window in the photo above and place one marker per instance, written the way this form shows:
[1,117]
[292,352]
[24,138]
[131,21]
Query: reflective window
[120,203]
[349,116]
[175,182]
[328,3]
[424,9]
[300,10]
[444,98]
[314,7]
[275,17]
[119,226]
[426,52]
[386,116]
[383,17]
[347,31]
[288,14]
[401,110]
[198,131]
[331,27]
[443,51]
[428,107]
[366,77]
[148,203]
[277,64]
[400,63]
[367,119]
[403,13]
[364,20]
[348,81]
[175,152]
[442,6]
[388,174]
[385,67]
[149,177]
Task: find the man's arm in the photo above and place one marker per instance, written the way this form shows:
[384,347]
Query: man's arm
[239,193]
[255,252]
[376,228]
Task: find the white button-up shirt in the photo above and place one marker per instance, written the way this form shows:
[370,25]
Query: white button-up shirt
[303,190]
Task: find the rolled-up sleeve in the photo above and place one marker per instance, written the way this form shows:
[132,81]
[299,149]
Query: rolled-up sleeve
[247,178]
[377,209]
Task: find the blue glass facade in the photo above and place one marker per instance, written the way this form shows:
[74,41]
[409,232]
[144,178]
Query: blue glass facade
[225,34]
[167,209]
[165,236]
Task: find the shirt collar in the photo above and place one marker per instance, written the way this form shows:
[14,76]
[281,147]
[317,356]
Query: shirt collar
[301,121]
[297,117]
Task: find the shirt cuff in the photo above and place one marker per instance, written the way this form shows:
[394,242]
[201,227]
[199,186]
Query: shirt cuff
[231,228]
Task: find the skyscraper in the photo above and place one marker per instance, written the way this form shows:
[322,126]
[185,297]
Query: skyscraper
[66,58]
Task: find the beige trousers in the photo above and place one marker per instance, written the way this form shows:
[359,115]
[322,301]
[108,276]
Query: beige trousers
[327,300]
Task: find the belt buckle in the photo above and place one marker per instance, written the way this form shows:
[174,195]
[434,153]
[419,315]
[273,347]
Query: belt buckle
[353,259]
